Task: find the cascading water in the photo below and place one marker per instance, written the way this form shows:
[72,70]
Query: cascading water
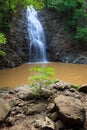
[37,51]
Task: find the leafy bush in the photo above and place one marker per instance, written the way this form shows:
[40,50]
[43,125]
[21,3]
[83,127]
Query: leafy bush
[71,10]
[78,19]
[64,6]
[75,86]
[38,4]
[2,41]
[81,34]
[74,15]
[40,78]
[10,7]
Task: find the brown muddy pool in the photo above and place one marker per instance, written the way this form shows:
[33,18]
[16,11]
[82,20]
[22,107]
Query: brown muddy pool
[73,73]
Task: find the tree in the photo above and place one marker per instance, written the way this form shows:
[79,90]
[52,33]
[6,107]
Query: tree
[9,7]
[75,18]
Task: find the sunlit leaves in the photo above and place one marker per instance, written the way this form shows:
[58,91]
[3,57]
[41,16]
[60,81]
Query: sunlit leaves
[8,8]
[2,41]
[41,77]
[2,38]
[38,4]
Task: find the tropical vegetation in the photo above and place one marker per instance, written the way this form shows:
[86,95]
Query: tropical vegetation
[72,11]
[74,14]
[8,9]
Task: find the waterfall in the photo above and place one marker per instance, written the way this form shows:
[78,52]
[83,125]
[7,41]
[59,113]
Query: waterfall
[37,49]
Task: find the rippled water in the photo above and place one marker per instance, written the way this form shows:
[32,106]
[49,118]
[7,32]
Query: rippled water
[73,73]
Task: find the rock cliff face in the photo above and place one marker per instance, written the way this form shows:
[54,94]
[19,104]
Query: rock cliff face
[59,44]
[58,41]
[17,45]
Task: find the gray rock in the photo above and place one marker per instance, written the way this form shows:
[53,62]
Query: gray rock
[62,85]
[52,88]
[53,116]
[16,110]
[4,110]
[81,59]
[33,108]
[71,110]
[72,93]
[24,92]
[45,124]
[14,102]
[10,121]
[59,125]
[83,88]
[51,107]
[46,93]
[18,127]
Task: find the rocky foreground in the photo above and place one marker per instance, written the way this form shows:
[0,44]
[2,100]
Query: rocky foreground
[59,107]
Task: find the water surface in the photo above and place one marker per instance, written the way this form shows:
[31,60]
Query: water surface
[73,73]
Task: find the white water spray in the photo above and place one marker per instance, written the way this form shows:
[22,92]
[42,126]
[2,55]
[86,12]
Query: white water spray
[37,51]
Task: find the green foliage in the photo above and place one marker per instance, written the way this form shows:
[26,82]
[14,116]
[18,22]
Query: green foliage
[2,41]
[72,10]
[81,34]
[40,78]
[75,86]
[2,38]
[38,4]
[74,16]
[9,7]
[64,6]
[78,19]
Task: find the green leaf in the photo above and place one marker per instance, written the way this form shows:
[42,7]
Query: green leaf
[42,77]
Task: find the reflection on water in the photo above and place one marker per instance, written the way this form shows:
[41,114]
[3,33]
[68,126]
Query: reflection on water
[73,73]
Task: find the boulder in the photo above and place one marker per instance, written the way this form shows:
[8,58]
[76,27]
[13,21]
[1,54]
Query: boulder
[70,110]
[24,92]
[51,107]
[72,93]
[62,85]
[45,124]
[83,88]
[18,127]
[34,108]
[53,116]
[59,125]
[4,110]
[81,59]
[46,93]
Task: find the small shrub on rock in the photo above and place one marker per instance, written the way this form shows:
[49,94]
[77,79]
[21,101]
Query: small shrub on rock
[75,86]
[41,78]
